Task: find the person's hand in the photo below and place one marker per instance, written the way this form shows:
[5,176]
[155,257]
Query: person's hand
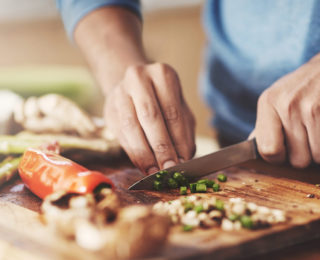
[148,114]
[288,118]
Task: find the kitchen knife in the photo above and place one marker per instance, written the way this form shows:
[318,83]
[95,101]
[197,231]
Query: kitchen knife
[199,167]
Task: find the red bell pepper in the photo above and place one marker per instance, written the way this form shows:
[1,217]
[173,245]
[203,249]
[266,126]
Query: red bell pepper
[47,172]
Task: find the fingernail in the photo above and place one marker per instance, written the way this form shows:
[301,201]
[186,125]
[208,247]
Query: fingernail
[168,164]
[152,170]
[181,160]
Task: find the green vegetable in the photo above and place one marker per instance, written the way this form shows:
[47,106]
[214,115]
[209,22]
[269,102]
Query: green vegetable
[172,183]
[246,222]
[233,217]
[157,185]
[183,190]
[177,176]
[159,176]
[163,173]
[188,206]
[9,169]
[193,187]
[207,182]
[203,181]
[222,178]
[201,187]
[318,185]
[216,187]
[180,179]
[210,183]
[198,208]
[17,144]
[219,205]
[187,228]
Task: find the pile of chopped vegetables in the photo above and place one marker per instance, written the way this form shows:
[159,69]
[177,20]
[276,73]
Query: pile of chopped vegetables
[178,180]
[195,211]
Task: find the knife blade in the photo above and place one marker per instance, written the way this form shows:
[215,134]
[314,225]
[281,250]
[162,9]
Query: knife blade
[202,166]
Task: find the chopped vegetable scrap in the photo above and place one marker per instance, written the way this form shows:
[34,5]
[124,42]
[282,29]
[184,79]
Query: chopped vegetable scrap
[178,180]
[196,211]
[221,177]
[47,172]
[98,222]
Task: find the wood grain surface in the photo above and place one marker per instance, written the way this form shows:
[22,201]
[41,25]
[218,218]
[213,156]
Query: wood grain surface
[24,236]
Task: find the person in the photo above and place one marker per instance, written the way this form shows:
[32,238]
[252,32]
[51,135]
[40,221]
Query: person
[262,77]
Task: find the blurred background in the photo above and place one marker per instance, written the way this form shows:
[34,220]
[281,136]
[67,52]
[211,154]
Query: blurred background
[36,56]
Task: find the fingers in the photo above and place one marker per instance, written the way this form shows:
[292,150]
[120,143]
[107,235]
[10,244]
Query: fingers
[130,133]
[150,118]
[176,115]
[269,133]
[297,145]
[312,125]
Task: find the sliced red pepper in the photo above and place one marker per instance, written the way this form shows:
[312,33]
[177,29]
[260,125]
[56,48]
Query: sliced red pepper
[47,172]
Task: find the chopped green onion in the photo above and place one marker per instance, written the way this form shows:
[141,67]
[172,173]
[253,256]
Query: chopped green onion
[188,206]
[163,172]
[157,185]
[210,183]
[246,222]
[187,228]
[177,176]
[233,217]
[159,176]
[219,205]
[216,187]
[193,187]
[198,208]
[183,190]
[201,187]
[172,183]
[203,181]
[222,178]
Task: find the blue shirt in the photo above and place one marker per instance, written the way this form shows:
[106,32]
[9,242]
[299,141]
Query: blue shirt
[251,44]
[72,11]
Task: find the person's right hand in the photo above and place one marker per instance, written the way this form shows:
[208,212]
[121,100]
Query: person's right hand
[149,116]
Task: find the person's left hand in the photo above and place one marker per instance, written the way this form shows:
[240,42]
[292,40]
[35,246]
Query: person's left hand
[288,118]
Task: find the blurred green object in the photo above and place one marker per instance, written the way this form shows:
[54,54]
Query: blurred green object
[72,82]
[17,144]
[9,169]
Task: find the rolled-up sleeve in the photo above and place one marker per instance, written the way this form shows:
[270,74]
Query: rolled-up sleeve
[72,11]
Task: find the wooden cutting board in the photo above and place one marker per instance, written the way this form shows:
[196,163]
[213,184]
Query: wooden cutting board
[24,236]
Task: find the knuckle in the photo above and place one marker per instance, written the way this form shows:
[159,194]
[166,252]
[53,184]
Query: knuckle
[134,71]
[172,113]
[162,67]
[127,122]
[149,111]
[161,148]
[166,72]
[288,109]
[312,110]
[266,98]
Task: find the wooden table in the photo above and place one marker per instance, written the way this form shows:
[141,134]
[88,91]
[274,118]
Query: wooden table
[253,180]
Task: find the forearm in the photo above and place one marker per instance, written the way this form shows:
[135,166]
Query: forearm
[111,40]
